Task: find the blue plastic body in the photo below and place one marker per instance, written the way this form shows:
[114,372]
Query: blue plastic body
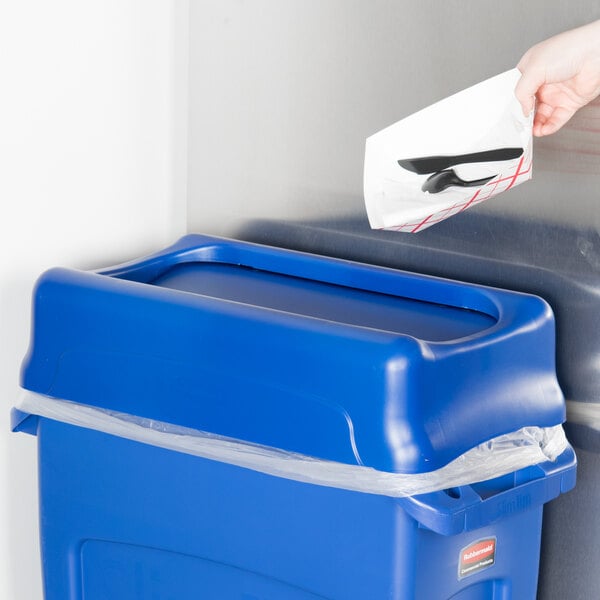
[332,359]
[123,520]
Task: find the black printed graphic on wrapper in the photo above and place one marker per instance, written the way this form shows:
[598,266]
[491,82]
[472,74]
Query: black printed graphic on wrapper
[477,556]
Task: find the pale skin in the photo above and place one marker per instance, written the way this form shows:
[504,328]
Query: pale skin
[559,76]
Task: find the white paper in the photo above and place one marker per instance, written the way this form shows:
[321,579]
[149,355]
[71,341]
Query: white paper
[483,118]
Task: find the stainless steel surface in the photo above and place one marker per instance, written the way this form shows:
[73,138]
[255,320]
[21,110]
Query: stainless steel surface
[285,92]
[283,96]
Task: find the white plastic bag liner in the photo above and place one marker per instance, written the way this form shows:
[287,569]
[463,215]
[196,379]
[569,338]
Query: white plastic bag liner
[499,456]
[584,413]
[483,118]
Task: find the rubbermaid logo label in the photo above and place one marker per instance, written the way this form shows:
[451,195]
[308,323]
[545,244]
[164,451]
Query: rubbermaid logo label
[476,557]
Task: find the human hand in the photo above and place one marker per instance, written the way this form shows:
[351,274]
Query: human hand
[562,74]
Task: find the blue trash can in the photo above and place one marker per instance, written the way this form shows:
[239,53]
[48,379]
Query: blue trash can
[548,255]
[284,400]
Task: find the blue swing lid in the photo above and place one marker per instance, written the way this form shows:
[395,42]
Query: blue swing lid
[325,357]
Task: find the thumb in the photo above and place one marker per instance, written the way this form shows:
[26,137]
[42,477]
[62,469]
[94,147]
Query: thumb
[527,87]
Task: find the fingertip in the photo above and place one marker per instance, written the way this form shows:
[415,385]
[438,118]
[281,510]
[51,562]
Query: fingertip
[538,124]
[550,128]
[555,120]
[525,94]
[527,104]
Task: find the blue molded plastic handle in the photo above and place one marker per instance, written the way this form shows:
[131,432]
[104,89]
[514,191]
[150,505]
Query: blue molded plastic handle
[464,509]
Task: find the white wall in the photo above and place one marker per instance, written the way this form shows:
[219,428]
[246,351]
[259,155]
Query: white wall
[92,171]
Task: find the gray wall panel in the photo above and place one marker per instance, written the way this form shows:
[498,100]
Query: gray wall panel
[284,93]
